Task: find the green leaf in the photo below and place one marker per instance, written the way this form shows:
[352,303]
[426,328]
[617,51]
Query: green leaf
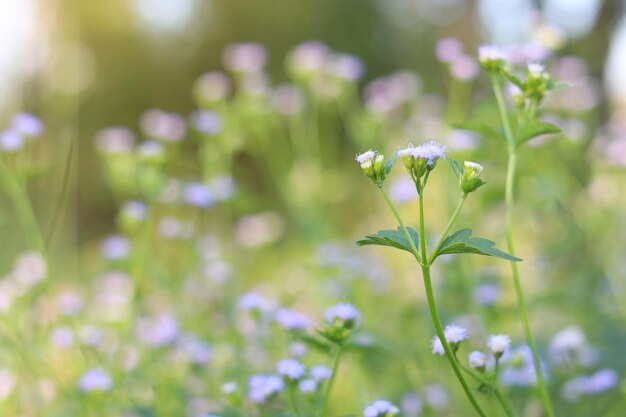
[456,167]
[557,85]
[479,127]
[392,238]
[513,79]
[463,242]
[531,128]
[390,162]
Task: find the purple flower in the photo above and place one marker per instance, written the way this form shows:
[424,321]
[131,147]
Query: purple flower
[11,141]
[27,125]
[95,380]
[208,122]
[197,194]
[245,57]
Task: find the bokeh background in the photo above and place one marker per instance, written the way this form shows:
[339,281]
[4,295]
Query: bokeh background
[84,66]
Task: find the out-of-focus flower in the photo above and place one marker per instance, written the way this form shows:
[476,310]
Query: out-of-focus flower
[30,269]
[448,50]
[380,408]
[207,122]
[491,57]
[498,343]
[263,387]
[161,125]
[581,386]
[570,346]
[158,330]
[411,404]
[346,67]
[320,372]
[477,360]
[114,140]
[307,59]
[436,396]
[11,141]
[95,380]
[244,57]
[62,337]
[115,247]
[198,194]
[306,386]
[288,100]
[487,293]
[198,351]
[464,68]
[291,369]
[212,87]
[27,125]
[402,190]
[291,319]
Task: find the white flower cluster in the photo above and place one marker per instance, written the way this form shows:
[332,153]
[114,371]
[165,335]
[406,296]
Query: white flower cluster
[380,408]
[454,335]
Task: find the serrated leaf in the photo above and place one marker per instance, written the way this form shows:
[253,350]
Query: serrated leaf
[531,128]
[456,167]
[479,127]
[392,238]
[463,242]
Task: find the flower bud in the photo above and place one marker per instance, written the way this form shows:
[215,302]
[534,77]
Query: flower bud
[374,166]
[537,80]
[470,180]
[477,360]
[341,320]
[421,159]
[498,343]
[491,58]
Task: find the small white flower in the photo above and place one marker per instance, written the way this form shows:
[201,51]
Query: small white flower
[95,380]
[291,369]
[455,334]
[490,53]
[406,151]
[431,151]
[477,359]
[514,91]
[262,387]
[473,166]
[365,157]
[498,343]
[230,387]
[290,319]
[437,346]
[536,68]
[380,408]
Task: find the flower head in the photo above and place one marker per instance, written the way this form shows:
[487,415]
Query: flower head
[263,387]
[380,408]
[420,159]
[291,369]
[477,360]
[491,57]
[437,346]
[290,319]
[341,320]
[455,334]
[373,165]
[498,343]
[470,180]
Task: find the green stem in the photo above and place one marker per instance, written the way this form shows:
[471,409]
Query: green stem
[509,193]
[23,208]
[459,206]
[435,315]
[330,381]
[294,402]
[494,387]
[393,208]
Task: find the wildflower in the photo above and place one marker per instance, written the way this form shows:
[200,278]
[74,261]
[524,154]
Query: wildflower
[298,349]
[412,405]
[536,69]
[477,360]
[27,125]
[308,59]
[346,67]
[132,214]
[292,320]
[517,95]
[207,122]
[291,369]
[320,372]
[464,68]
[158,124]
[602,381]
[570,345]
[288,100]
[341,320]
[62,337]
[160,330]
[448,50]
[245,57]
[536,85]
[380,408]
[437,346]
[491,57]
[198,194]
[374,167]
[212,87]
[115,247]
[95,380]
[486,294]
[470,179]
[30,268]
[151,152]
[114,140]
[497,344]
[263,387]
[230,387]
[11,141]
[307,385]
[420,159]
[436,396]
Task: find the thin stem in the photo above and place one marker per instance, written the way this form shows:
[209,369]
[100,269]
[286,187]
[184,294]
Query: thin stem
[330,381]
[23,207]
[503,402]
[393,208]
[494,387]
[447,229]
[435,315]
[294,402]
[509,193]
